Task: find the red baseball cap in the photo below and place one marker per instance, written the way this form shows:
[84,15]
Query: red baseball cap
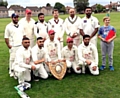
[69,39]
[51,32]
[28,11]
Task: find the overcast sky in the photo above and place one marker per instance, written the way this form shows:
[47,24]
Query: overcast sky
[52,2]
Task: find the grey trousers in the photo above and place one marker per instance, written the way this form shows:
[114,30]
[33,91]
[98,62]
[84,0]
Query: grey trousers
[107,48]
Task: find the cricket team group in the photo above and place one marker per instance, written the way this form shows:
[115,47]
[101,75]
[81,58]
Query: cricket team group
[34,46]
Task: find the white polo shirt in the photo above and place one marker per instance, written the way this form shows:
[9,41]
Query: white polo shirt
[72,26]
[15,34]
[88,53]
[28,27]
[40,29]
[38,54]
[23,57]
[71,55]
[89,25]
[52,48]
[57,27]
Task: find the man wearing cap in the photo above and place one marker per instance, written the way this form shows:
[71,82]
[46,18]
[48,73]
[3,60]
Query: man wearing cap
[89,25]
[56,24]
[88,56]
[72,24]
[40,27]
[39,57]
[70,54]
[28,24]
[52,48]
[13,37]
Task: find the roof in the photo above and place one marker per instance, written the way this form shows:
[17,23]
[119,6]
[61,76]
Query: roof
[3,8]
[16,7]
[32,8]
[47,8]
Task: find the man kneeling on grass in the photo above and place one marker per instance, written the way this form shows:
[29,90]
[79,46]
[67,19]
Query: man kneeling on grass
[88,56]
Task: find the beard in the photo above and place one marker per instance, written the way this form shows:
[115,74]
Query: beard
[42,21]
[15,22]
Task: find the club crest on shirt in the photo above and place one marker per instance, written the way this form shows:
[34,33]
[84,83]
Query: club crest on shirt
[85,21]
[45,25]
[52,26]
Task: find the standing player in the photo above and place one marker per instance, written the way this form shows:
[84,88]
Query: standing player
[13,38]
[70,54]
[89,25]
[88,56]
[107,46]
[28,25]
[72,24]
[40,27]
[56,24]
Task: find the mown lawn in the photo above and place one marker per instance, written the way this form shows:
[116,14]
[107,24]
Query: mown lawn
[106,85]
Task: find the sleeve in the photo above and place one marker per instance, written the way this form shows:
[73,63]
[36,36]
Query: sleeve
[76,54]
[19,57]
[34,54]
[80,54]
[59,52]
[95,54]
[46,50]
[49,25]
[7,33]
[79,22]
[66,27]
[97,24]
[36,30]
[114,29]
[100,31]
[63,29]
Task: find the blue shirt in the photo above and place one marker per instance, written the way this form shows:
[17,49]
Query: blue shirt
[103,31]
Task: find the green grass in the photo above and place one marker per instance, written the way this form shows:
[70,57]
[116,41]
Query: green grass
[106,85]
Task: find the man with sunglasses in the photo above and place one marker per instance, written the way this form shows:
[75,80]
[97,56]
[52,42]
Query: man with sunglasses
[13,38]
[88,56]
[52,48]
[28,25]
[39,57]
[70,54]
[89,25]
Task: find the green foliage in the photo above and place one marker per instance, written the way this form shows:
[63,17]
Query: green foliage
[99,8]
[60,7]
[80,5]
[3,3]
[48,5]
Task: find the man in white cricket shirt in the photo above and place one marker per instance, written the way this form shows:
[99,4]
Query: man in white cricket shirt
[88,56]
[57,24]
[13,37]
[72,24]
[28,24]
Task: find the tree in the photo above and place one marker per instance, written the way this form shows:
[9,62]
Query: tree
[3,3]
[60,7]
[99,8]
[80,5]
[48,5]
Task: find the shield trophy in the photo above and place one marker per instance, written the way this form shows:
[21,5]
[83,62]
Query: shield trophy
[58,70]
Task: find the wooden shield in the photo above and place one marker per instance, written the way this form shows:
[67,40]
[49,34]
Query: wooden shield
[58,70]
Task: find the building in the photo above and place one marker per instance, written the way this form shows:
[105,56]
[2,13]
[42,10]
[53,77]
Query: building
[46,10]
[3,12]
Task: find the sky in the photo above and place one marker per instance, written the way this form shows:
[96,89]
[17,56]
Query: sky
[40,3]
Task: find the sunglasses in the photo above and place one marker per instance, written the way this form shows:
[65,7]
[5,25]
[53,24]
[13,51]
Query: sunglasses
[26,42]
[70,42]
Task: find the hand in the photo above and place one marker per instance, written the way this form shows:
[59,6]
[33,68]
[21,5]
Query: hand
[103,39]
[78,68]
[33,67]
[88,62]
[108,41]
[58,38]
[94,68]
[9,46]
[74,35]
[44,39]
[64,60]
[36,62]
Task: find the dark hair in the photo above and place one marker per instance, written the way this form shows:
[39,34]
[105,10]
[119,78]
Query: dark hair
[88,8]
[84,36]
[25,38]
[40,14]
[39,38]
[54,11]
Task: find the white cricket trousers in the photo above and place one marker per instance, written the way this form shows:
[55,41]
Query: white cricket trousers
[74,65]
[83,64]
